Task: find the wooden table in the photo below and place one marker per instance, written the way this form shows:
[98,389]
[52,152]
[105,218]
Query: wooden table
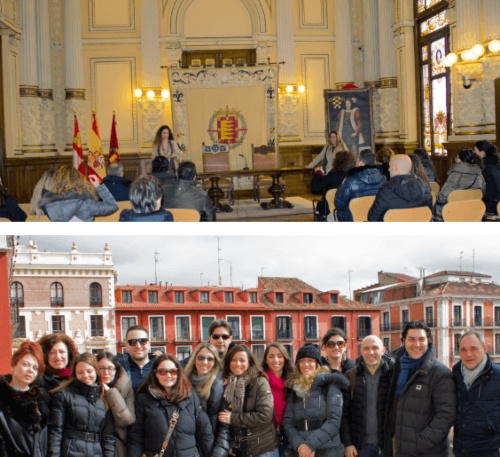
[276,190]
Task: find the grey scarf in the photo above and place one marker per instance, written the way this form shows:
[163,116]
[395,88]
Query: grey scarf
[235,391]
[471,375]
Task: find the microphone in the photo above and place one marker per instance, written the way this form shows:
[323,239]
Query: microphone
[246,165]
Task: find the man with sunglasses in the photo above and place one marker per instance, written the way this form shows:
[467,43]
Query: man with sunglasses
[138,361]
[334,343]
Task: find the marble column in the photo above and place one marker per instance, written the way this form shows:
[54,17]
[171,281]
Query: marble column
[491,15]
[386,43]
[468,23]
[371,43]
[73,50]
[343,43]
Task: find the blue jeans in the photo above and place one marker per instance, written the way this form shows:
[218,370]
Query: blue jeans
[369,450]
[273,453]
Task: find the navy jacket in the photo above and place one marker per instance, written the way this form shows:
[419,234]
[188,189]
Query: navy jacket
[360,182]
[477,428]
[491,173]
[134,371]
[12,211]
[128,215]
[118,187]
[401,191]
[179,193]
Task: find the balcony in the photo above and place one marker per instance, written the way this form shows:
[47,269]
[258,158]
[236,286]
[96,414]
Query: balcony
[310,336]
[430,323]
[56,302]
[96,302]
[392,326]
[17,301]
[157,339]
[458,323]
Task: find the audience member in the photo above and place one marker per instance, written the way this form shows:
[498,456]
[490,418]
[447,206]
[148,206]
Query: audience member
[8,206]
[116,183]
[478,399]
[362,181]
[426,163]
[145,198]
[403,190]
[334,343]
[46,182]
[183,193]
[417,168]
[164,145]
[73,199]
[491,172]
[384,156]
[466,174]
[327,155]
[421,404]
[160,170]
[342,163]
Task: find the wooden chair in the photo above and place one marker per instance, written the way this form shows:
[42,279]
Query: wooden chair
[360,206]
[32,218]
[419,214]
[434,187]
[330,198]
[464,211]
[25,207]
[213,162]
[465,194]
[184,214]
[498,208]
[4,219]
[115,217]
[263,157]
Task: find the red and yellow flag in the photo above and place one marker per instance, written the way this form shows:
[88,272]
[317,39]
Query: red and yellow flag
[114,150]
[96,168]
[77,149]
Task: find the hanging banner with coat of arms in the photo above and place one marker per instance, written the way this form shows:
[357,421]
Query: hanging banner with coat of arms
[235,106]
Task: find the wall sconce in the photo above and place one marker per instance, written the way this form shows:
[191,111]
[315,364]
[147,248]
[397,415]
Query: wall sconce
[151,95]
[291,89]
[471,54]
[494,46]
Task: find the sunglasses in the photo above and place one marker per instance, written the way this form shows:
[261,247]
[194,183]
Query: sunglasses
[202,358]
[332,344]
[216,336]
[165,371]
[141,341]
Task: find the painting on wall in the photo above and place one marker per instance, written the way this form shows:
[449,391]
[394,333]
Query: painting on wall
[349,112]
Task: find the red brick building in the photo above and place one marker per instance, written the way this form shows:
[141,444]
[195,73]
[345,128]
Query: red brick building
[450,302]
[287,310]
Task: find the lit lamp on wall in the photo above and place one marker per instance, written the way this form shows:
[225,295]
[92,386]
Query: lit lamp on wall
[291,89]
[151,95]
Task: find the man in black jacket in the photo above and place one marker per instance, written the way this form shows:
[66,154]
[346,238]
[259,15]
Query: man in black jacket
[116,183]
[183,193]
[363,416]
[403,190]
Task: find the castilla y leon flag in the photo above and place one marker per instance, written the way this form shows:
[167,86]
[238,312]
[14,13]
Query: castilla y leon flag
[96,168]
[114,150]
[77,149]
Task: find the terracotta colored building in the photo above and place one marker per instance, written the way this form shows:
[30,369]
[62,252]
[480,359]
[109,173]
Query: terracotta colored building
[450,302]
[8,315]
[287,310]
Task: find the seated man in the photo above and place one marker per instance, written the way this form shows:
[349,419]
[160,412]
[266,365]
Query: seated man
[161,171]
[403,190]
[117,185]
[183,193]
[145,198]
[363,180]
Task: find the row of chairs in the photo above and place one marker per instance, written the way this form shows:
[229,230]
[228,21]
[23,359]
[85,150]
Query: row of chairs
[462,206]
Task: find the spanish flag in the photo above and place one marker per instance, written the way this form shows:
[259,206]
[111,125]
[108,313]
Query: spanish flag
[96,169]
[77,149]
[114,150]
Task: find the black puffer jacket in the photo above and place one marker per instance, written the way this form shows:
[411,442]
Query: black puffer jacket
[477,428]
[318,409]
[49,381]
[421,419]
[23,421]
[77,410]
[354,412]
[401,191]
[491,173]
[192,434]
[347,364]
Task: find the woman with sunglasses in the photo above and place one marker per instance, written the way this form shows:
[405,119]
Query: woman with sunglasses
[120,397]
[166,392]
[334,343]
[80,422]
[248,405]
[314,408]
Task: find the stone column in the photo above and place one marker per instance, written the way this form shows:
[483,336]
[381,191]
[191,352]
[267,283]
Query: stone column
[491,15]
[468,23]
[343,43]
[386,43]
[371,43]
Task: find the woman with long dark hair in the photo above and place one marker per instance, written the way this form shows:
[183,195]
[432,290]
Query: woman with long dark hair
[165,145]
[23,405]
[80,421]
[119,395]
[491,172]
[333,144]
[164,394]
[426,163]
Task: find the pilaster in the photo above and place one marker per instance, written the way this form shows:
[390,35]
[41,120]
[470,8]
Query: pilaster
[343,46]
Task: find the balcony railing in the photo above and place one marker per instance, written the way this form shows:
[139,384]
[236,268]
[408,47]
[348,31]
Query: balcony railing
[430,323]
[56,301]
[311,335]
[284,335]
[363,333]
[97,332]
[392,326]
[17,301]
[96,302]
[257,335]
[458,323]
[158,339]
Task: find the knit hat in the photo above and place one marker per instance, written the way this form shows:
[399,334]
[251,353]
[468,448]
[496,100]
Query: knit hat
[309,350]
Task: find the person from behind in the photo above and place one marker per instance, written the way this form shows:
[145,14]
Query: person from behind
[417,169]
[478,399]
[426,163]
[334,343]
[8,206]
[363,414]
[145,197]
[73,199]
[384,156]
[362,181]
[421,404]
[161,170]
[342,163]
[403,190]
[116,183]
[46,182]
[466,174]
[491,173]
[183,193]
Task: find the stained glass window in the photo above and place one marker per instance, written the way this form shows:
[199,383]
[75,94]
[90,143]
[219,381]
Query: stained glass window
[423,5]
[433,23]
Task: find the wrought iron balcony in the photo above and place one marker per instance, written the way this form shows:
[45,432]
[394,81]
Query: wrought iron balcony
[96,302]
[56,301]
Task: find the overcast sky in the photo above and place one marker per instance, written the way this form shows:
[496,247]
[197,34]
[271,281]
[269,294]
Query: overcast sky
[323,260]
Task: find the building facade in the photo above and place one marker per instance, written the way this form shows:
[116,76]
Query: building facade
[449,302]
[8,316]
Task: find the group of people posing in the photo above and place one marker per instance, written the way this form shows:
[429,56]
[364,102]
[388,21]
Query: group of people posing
[220,401]
[400,180]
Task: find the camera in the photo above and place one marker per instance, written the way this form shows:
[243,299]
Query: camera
[466,82]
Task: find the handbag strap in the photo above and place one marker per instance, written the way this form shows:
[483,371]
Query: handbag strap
[171,426]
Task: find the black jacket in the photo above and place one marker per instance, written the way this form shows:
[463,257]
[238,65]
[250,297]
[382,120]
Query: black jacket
[347,364]
[128,215]
[421,418]
[118,187]
[354,411]
[401,191]
[48,381]
[192,434]
[477,428]
[322,183]
[76,410]
[12,211]
[23,421]
[491,173]
[179,193]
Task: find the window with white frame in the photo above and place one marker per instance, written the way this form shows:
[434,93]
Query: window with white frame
[456,343]
[457,315]
[126,296]
[95,292]
[339,322]
[96,325]
[156,329]
[205,323]
[311,327]
[334,299]
[127,322]
[258,352]
[497,343]
[182,328]
[429,316]
[284,327]
[152,296]
[16,294]
[257,325]
[182,352]
[56,294]
[228,297]
[364,326]
[234,322]
[308,297]
[497,316]
[179,296]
